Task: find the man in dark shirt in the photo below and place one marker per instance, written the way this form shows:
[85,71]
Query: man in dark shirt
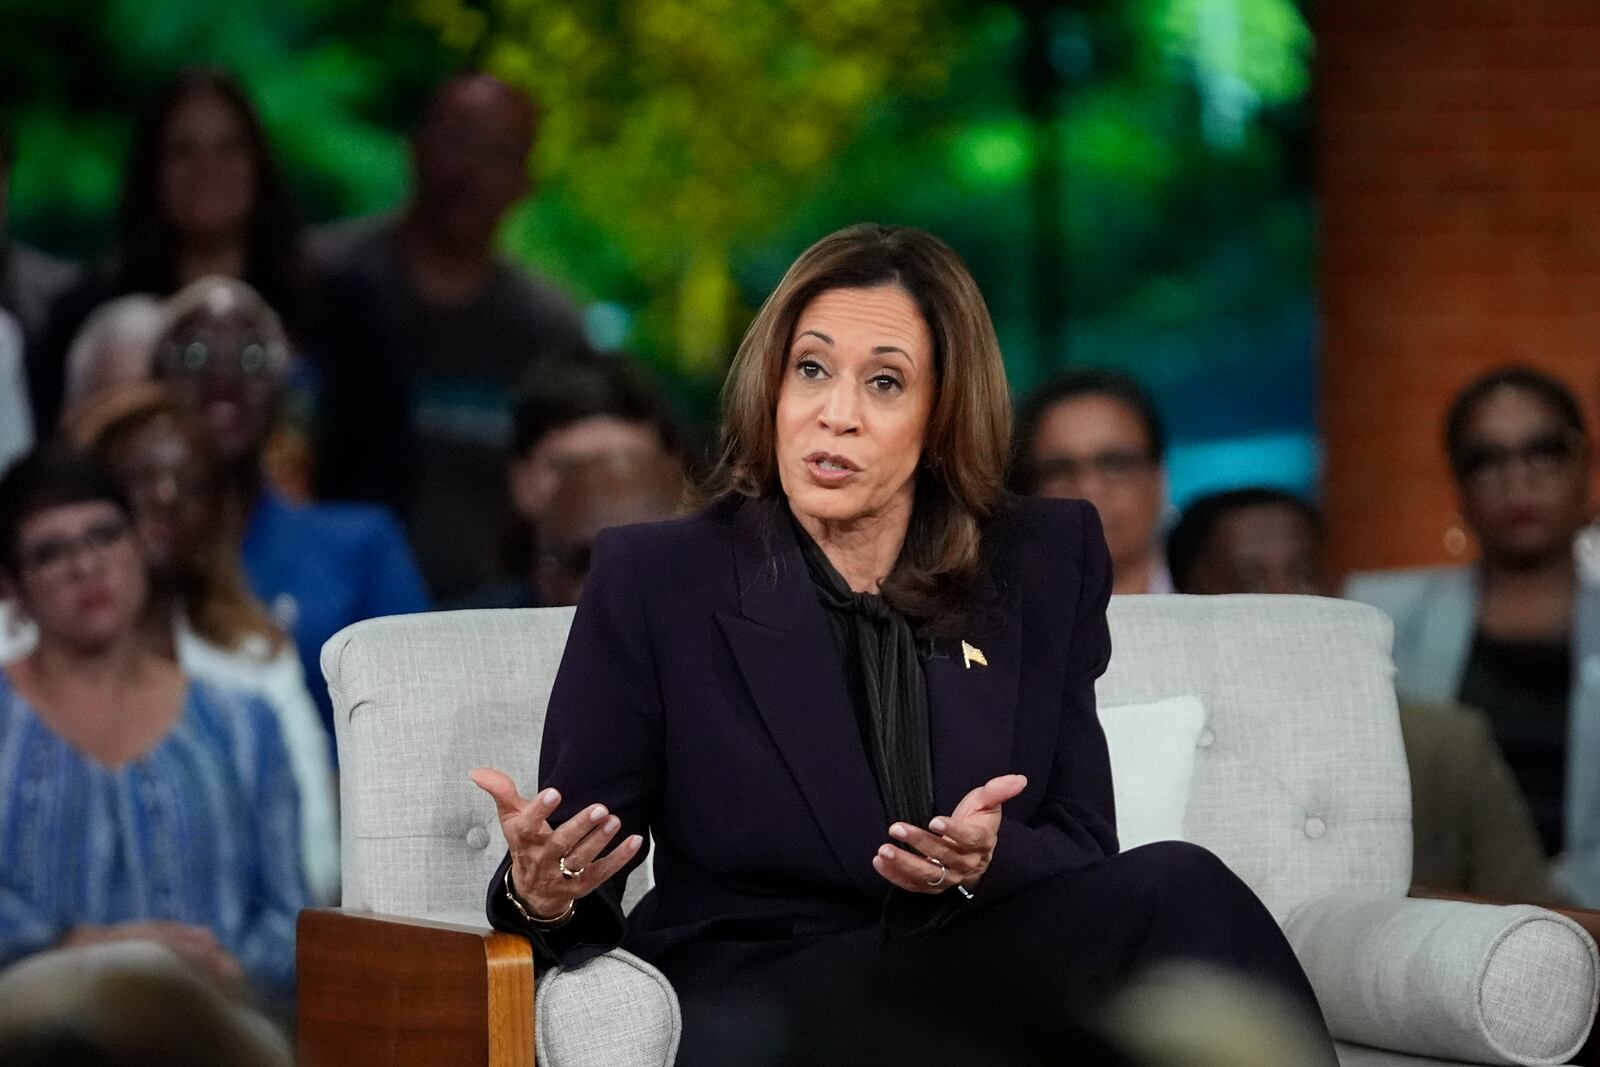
[429,333]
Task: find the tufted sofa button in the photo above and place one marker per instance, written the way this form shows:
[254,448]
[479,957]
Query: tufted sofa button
[1315,828]
[1206,738]
[478,837]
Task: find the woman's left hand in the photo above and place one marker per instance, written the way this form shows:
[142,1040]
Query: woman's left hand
[955,849]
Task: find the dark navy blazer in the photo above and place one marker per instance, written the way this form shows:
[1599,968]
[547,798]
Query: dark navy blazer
[701,698]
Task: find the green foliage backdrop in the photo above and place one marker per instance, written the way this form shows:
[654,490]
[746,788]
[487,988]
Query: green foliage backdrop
[691,148]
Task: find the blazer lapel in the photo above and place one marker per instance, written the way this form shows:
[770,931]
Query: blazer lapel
[787,656]
[973,707]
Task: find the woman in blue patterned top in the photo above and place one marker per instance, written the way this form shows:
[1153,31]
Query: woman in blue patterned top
[134,803]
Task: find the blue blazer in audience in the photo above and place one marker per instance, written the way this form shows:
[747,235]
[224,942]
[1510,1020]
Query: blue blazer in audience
[321,567]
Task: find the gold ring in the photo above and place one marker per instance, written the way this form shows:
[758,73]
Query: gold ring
[568,872]
[942,872]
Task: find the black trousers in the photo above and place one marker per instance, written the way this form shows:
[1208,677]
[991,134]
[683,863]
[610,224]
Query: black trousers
[1016,981]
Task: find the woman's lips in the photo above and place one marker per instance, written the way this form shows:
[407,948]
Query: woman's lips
[825,472]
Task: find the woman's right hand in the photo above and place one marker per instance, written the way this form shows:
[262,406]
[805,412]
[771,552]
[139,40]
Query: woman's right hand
[537,851]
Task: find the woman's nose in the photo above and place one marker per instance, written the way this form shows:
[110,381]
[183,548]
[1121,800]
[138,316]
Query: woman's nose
[841,409]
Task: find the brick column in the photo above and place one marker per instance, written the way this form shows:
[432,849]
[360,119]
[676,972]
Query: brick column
[1458,174]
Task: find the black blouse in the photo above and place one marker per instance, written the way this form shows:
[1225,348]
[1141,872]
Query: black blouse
[884,675]
[1524,686]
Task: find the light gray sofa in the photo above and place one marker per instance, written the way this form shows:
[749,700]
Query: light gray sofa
[1300,784]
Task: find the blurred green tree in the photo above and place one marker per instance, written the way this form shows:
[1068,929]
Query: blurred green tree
[691,148]
[692,127]
[336,82]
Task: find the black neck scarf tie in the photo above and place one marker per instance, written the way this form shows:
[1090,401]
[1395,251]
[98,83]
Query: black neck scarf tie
[885,676]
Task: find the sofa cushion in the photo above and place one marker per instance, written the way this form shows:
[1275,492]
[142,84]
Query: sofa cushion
[1152,750]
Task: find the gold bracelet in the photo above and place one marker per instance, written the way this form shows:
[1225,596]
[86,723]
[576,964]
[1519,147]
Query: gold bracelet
[529,917]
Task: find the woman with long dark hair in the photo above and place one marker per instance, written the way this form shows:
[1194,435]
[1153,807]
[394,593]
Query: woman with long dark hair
[201,196]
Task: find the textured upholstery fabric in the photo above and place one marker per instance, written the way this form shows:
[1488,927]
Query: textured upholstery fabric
[1152,749]
[419,702]
[1299,784]
[593,1017]
[1486,985]
[1362,1056]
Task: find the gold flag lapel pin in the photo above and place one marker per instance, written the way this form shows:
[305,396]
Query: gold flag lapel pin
[971,654]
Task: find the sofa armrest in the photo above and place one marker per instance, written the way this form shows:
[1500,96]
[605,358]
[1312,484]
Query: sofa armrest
[1587,918]
[1449,979]
[380,989]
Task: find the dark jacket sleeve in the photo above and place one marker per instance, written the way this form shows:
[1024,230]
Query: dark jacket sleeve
[1075,821]
[603,743]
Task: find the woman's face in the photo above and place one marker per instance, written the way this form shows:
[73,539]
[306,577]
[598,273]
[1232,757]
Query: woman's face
[207,169]
[1523,478]
[858,386]
[169,482]
[81,577]
[223,370]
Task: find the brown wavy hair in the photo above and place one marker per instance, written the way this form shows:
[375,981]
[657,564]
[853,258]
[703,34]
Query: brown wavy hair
[210,585]
[961,478]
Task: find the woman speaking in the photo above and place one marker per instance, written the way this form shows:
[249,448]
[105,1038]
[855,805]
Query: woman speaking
[851,701]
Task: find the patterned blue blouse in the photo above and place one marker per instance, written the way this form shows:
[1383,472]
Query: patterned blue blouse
[203,829]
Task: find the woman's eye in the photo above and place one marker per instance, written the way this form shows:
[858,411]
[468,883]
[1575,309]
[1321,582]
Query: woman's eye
[886,383]
[809,368]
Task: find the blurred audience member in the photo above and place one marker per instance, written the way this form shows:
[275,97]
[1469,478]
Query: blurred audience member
[127,1004]
[201,195]
[200,613]
[572,412]
[616,489]
[1096,435]
[1248,541]
[113,348]
[1497,634]
[139,804]
[434,334]
[318,567]
[30,281]
[1472,830]
[16,420]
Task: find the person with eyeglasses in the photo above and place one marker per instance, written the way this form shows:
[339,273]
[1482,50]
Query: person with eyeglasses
[136,803]
[1497,634]
[318,567]
[592,495]
[1096,435]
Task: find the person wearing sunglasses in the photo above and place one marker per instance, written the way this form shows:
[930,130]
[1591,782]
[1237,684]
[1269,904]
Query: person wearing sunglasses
[136,803]
[1497,634]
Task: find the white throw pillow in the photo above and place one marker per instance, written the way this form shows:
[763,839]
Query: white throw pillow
[1152,764]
